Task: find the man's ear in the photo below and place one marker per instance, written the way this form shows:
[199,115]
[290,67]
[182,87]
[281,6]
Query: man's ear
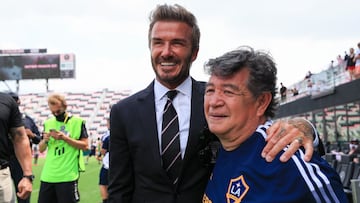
[194,55]
[263,102]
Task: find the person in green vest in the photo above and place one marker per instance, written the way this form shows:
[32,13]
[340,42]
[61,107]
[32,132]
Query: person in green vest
[64,138]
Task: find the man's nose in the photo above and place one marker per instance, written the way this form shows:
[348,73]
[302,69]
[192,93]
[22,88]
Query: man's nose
[215,99]
[167,50]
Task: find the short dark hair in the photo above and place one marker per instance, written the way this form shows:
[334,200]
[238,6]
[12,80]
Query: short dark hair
[175,13]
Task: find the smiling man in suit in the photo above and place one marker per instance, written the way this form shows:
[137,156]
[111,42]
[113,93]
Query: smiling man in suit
[159,151]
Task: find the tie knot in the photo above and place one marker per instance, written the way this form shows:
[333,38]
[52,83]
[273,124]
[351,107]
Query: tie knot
[171,94]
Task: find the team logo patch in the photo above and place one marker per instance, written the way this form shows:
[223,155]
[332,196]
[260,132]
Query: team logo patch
[237,190]
[206,199]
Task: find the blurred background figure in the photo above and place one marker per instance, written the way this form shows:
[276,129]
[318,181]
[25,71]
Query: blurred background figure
[98,149]
[308,75]
[103,176]
[354,150]
[350,63]
[357,62]
[10,70]
[295,91]
[92,151]
[283,90]
[35,153]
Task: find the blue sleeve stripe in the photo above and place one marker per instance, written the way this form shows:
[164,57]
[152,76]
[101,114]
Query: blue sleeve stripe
[314,176]
[316,181]
[262,128]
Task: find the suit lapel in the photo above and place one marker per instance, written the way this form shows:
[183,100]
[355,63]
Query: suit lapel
[146,106]
[197,119]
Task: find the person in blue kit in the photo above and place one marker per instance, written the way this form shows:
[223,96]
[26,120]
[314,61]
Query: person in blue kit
[238,103]
[103,175]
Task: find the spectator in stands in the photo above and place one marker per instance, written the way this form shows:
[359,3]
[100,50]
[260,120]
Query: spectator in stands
[328,147]
[308,75]
[239,101]
[34,137]
[346,56]
[354,150]
[11,124]
[103,176]
[283,92]
[295,91]
[136,165]
[357,62]
[340,61]
[309,86]
[64,137]
[350,63]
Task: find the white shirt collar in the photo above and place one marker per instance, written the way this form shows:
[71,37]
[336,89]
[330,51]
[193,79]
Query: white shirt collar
[184,89]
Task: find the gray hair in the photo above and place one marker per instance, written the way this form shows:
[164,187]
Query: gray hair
[262,71]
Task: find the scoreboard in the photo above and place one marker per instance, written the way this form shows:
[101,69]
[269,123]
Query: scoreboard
[37,66]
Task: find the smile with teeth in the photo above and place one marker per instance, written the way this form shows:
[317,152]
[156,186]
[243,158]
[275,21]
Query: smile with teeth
[168,63]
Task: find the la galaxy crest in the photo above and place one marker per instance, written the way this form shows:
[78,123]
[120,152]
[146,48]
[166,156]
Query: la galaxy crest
[237,190]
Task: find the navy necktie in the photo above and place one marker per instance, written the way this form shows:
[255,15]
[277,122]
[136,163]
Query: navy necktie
[170,141]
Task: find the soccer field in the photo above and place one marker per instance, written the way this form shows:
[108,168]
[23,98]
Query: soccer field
[88,183]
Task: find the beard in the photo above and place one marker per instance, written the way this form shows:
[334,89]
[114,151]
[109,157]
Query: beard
[169,79]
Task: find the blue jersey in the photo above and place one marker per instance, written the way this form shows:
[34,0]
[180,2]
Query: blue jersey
[242,175]
[105,139]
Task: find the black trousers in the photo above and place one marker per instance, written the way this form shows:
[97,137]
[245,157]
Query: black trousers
[59,192]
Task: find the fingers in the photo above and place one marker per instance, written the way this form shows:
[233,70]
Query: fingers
[309,150]
[46,136]
[278,138]
[56,135]
[24,190]
[281,136]
[273,130]
[274,133]
[23,194]
[293,147]
[276,148]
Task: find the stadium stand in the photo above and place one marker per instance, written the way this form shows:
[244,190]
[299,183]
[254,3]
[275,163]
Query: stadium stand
[92,106]
[324,82]
[349,173]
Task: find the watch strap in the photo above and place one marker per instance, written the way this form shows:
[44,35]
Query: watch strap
[30,177]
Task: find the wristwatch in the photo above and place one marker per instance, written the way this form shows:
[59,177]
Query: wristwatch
[30,177]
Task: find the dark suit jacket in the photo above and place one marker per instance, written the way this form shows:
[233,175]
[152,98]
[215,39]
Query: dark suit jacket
[136,173]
